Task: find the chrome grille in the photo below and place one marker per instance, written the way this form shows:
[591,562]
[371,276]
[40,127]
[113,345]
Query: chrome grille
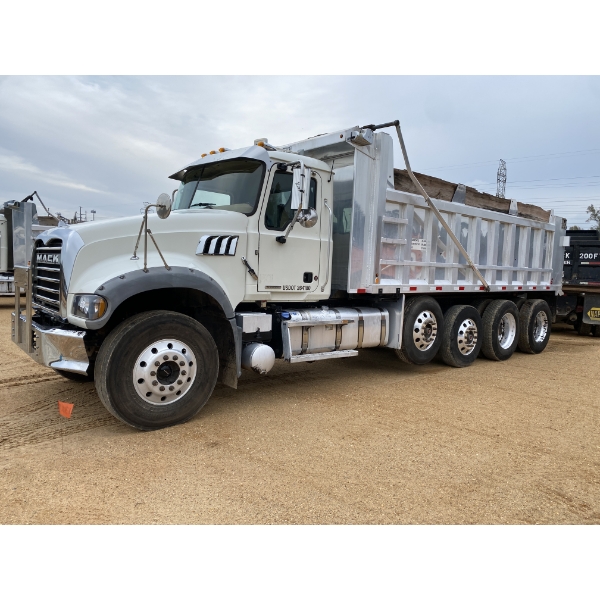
[46,277]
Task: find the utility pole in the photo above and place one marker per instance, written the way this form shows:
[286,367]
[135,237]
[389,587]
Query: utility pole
[501,179]
[93,214]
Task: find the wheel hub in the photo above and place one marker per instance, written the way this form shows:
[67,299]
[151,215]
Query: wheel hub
[467,336]
[507,331]
[540,327]
[164,372]
[425,330]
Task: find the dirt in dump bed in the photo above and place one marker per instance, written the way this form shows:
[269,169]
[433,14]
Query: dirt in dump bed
[358,440]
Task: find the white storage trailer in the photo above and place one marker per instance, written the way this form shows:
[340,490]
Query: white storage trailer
[300,252]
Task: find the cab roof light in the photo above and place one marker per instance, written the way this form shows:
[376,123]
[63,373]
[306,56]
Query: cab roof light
[212,152]
[264,143]
[204,155]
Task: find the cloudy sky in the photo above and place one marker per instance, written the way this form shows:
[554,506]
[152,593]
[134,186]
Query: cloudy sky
[110,143]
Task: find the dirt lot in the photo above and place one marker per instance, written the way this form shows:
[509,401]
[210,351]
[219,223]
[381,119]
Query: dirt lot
[361,440]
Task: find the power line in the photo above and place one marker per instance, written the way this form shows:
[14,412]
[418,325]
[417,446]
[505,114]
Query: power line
[519,158]
[550,179]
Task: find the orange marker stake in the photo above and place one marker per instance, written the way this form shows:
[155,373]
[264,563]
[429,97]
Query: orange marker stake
[65,409]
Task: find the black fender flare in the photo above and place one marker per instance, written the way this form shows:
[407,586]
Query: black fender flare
[118,289]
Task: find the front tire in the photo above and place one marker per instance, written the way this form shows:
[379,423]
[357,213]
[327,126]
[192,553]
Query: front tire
[156,369]
[421,331]
[500,330]
[462,336]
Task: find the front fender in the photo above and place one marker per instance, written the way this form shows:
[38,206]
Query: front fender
[119,289]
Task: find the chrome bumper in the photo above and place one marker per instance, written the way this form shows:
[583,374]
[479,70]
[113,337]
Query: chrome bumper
[60,349]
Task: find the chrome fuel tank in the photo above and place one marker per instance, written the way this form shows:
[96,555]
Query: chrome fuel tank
[315,330]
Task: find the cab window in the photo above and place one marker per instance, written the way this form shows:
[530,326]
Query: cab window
[279,213]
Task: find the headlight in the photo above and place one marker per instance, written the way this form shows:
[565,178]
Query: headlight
[89,307]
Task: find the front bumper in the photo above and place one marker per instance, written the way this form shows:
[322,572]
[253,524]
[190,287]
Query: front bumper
[61,349]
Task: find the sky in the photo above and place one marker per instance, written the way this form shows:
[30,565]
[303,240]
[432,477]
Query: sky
[110,143]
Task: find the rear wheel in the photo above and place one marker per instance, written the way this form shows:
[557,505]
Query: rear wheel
[500,330]
[534,323]
[421,331]
[461,338]
[156,369]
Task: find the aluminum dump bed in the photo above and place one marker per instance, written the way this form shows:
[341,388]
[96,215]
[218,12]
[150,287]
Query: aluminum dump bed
[387,240]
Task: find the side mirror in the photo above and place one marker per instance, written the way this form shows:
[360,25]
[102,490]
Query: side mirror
[308,218]
[164,205]
[300,187]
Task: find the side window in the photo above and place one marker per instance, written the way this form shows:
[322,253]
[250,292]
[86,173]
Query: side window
[279,213]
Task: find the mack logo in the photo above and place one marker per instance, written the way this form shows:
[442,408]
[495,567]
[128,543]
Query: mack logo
[594,314]
[52,259]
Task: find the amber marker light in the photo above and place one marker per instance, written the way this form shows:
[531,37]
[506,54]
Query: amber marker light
[212,152]
[221,149]
[203,156]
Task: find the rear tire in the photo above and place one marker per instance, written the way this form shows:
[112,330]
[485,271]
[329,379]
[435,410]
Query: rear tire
[156,369]
[481,305]
[500,330]
[584,329]
[534,323]
[462,336]
[421,331]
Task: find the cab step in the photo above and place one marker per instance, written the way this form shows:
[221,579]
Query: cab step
[297,358]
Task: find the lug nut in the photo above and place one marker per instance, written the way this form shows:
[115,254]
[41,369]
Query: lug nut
[175,358]
[181,363]
[162,388]
[152,373]
[184,372]
[165,357]
[171,388]
[155,382]
[179,382]
[157,364]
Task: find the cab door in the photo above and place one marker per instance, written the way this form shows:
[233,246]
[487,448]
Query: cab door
[295,265]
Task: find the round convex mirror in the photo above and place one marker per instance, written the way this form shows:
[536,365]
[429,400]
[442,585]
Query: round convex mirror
[163,206]
[308,218]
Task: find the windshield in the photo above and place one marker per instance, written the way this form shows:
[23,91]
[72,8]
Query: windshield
[227,185]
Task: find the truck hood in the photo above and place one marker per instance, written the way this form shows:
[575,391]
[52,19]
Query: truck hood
[197,220]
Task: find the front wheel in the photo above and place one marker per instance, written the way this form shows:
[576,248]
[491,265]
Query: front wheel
[156,369]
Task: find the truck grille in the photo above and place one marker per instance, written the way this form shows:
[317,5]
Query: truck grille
[46,277]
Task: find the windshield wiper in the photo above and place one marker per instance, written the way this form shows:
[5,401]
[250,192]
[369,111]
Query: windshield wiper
[203,204]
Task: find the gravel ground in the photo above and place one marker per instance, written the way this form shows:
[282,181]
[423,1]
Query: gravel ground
[360,440]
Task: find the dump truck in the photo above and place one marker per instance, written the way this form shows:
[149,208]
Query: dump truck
[312,250]
[580,303]
[20,224]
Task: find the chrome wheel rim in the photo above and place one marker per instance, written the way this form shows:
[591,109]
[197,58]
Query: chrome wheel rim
[540,326]
[507,331]
[467,337]
[164,372]
[424,330]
